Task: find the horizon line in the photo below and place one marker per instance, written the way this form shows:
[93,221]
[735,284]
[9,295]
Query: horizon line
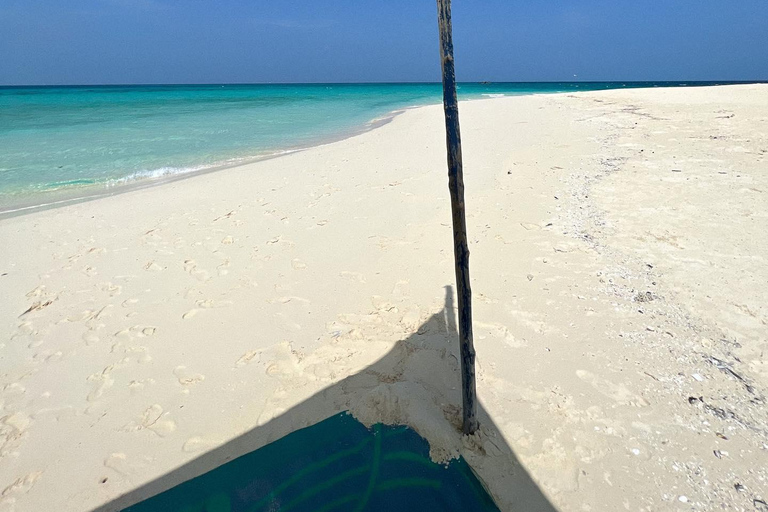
[482,82]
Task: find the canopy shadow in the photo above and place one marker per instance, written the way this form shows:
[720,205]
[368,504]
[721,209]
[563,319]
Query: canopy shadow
[418,379]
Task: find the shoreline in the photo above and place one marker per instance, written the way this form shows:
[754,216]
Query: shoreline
[620,325]
[107,190]
[28,203]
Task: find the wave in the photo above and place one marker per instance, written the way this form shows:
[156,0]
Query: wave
[154,174]
[168,172]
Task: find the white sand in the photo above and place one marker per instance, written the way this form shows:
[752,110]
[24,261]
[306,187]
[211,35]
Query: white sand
[610,290]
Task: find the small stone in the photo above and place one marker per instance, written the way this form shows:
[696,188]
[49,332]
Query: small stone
[697,377]
[644,297]
[683,499]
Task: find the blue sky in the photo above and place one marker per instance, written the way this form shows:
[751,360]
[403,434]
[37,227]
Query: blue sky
[221,41]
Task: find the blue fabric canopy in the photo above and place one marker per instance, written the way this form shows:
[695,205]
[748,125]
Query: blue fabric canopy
[335,465]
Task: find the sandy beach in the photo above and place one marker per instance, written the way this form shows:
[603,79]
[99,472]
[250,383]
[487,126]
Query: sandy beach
[618,255]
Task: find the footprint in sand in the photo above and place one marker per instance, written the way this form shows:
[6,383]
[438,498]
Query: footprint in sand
[153,420]
[140,331]
[401,289]
[93,321]
[285,361]
[213,304]
[499,332]
[532,321]
[248,357]
[35,343]
[286,300]
[279,241]
[189,314]
[411,319]
[49,356]
[11,437]
[151,237]
[138,385]
[133,354]
[129,303]
[89,314]
[223,268]
[111,289]
[186,377]
[152,266]
[203,304]
[37,292]
[485,299]
[352,276]
[190,267]
[617,392]
[123,336]
[102,382]
[118,462]
[24,329]
[13,428]
[199,444]
[22,485]
[14,389]
[90,338]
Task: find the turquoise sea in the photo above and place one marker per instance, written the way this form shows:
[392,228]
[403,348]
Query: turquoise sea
[62,143]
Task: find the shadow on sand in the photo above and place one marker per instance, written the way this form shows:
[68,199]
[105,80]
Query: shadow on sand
[417,382]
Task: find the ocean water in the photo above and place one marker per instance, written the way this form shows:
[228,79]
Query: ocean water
[62,143]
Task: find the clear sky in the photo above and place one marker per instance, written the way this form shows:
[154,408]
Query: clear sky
[223,41]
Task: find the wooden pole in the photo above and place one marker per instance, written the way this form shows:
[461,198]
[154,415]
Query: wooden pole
[460,249]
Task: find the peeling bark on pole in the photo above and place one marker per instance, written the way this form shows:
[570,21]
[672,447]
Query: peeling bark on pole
[460,248]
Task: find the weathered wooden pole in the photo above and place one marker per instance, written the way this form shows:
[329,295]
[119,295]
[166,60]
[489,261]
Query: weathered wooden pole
[460,249]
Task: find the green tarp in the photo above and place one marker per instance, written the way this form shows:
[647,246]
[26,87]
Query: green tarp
[335,465]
